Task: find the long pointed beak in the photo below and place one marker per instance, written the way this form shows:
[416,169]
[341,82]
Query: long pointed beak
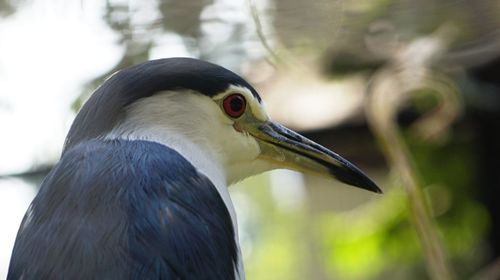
[289,149]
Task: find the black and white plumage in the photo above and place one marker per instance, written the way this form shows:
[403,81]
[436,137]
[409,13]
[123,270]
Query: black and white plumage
[107,105]
[140,191]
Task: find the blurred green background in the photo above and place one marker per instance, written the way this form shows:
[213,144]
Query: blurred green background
[407,90]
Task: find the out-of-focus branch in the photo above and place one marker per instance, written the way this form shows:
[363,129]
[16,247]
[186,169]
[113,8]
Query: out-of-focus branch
[260,33]
[388,91]
[434,124]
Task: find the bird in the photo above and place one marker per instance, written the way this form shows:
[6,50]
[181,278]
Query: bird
[141,187]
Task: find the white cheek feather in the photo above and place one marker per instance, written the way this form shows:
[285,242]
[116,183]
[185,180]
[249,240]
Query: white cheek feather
[193,125]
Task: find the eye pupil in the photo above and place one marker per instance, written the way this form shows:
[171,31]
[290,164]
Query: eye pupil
[234,105]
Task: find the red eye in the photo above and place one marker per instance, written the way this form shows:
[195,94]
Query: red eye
[234,105]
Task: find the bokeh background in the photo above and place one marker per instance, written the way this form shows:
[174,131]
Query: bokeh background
[407,90]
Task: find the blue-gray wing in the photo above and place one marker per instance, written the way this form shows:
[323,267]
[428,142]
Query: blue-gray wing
[125,210]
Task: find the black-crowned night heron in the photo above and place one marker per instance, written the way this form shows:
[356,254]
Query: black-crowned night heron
[141,192]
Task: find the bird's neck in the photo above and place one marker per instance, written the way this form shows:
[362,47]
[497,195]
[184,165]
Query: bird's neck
[201,159]
[204,160]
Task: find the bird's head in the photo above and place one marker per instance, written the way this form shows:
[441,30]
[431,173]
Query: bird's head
[210,115]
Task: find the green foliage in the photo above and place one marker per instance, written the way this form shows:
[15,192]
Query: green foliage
[272,248]
[448,171]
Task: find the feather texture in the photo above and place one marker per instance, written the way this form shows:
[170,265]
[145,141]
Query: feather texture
[118,209]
